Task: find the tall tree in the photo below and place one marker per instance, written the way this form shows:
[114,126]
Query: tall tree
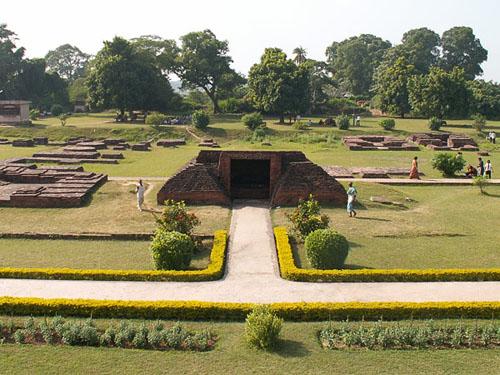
[391,86]
[440,93]
[486,98]
[125,78]
[419,47]
[277,85]
[354,60]
[462,49]
[67,61]
[202,61]
[320,84]
[300,55]
[10,59]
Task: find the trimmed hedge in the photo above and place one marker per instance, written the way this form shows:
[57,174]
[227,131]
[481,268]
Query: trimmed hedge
[290,271]
[194,310]
[214,271]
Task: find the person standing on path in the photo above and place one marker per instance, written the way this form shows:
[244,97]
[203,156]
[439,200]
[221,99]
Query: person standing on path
[351,198]
[493,137]
[139,190]
[488,169]
[480,167]
[414,169]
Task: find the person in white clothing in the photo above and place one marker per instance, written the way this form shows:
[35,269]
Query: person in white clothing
[488,169]
[493,137]
[139,190]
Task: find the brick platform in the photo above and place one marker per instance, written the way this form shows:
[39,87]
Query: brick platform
[444,141]
[378,142]
[46,187]
[208,179]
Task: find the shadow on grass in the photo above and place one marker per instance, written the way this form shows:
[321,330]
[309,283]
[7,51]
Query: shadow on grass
[371,219]
[291,348]
[491,195]
[356,267]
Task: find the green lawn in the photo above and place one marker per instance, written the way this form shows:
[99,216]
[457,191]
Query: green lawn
[444,227]
[322,145]
[299,353]
[85,254]
[111,210]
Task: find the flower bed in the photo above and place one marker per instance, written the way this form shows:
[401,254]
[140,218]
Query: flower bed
[290,271]
[214,271]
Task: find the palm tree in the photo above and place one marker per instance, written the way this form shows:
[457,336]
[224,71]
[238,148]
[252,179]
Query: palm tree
[300,55]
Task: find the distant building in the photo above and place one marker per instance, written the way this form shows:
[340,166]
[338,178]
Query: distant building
[14,111]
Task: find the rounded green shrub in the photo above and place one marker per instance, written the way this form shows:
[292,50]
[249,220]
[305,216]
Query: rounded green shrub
[172,250]
[201,119]
[252,120]
[478,122]
[387,124]
[326,249]
[56,110]
[448,164]
[343,122]
[155,118]
[435,123]
[262,328]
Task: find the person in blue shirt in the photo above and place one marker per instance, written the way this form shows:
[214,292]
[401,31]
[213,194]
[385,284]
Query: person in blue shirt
[351,198]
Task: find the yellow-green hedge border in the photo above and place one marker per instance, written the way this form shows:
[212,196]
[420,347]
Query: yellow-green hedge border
[290,271]
[214,271]
[195,310]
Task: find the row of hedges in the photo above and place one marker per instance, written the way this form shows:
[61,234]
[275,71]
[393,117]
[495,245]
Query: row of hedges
[214,271]
[290,271]
[194,310]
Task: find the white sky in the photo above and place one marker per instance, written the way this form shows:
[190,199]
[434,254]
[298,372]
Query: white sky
[249,26]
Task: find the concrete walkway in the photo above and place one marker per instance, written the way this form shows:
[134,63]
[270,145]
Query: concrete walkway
[253,276]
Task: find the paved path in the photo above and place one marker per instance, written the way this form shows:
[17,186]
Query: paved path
[252,276]
[387,181]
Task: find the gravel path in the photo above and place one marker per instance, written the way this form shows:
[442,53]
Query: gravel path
[253,276]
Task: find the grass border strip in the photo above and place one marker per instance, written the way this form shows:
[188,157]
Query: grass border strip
[196,310]
[214,271]
[290,271]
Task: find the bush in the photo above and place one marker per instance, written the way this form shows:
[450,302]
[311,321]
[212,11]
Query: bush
[448,164]
[326,249]
[34,114]
[176,218]
[200,119]
[343,122]
[341,105]
[56,110]
[481,182]
[329,121]
[300,125]
[387,124]
[307,217]
[262,328]
[478,122]
[230,105]
[435,123]
[259,134]
[63,119]
[156,118]
[252,120]
[172,250]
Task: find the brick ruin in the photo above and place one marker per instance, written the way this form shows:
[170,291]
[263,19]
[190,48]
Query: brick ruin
[282,177]
[377,142]
[444,141]
[25,185]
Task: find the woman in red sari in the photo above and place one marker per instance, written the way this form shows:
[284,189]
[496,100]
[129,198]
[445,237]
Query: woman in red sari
[414,169]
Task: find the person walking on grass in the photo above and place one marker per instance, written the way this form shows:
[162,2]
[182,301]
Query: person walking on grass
[414,169]
[488,169]
[351,198]
[139,190]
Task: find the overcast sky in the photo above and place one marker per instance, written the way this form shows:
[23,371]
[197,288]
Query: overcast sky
[249,26]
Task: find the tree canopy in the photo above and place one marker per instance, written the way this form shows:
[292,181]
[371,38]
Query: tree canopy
[354,60]
[126,78]
[10,58]
[277,85]
[462,49]
[67,61]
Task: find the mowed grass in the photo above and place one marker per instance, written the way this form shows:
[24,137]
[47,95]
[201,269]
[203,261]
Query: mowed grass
[298,353]
[321,144]
[112,209]
[442,227]
[85,254]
